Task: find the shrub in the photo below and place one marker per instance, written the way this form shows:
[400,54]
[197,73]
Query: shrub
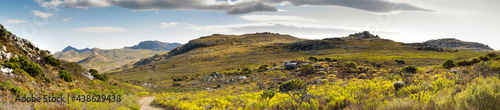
[398,85]
[362,76]
[442,83]
[66,76]
[410,69]
[483,94]
[48,80]
[135,107]
[492,55]
[449,64]
[17,90]
[296,89]
[484,58]
[308,69]
[322,73]
[11,65]
[292,85]
[98,76]
[51,60]
[176,84]
[33,69]
[268,94]
[350,64]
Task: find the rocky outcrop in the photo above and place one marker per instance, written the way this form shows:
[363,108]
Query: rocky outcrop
[314,45]
[362,35]
[458,44]
[450,43]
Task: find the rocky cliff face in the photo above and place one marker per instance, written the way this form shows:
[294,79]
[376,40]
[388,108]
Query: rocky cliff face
[458,44]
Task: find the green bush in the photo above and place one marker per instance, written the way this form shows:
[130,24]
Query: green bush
[48,80]
[483,94]
[308,69]
[410,69]
[51,60]
[176,84]
[33,69]
[484,58]
[135,107]
[66,76]
[468,62]
[12,65]
[292,85]
[350,64]
[492,55]
[449,64]
[98,76]
[17,90]
[362,76]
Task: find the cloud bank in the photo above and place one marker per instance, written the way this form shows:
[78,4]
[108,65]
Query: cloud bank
[229,6]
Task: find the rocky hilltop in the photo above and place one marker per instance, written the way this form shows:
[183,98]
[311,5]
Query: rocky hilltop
[107,59]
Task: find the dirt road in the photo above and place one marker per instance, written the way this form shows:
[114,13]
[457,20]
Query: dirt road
[146,103]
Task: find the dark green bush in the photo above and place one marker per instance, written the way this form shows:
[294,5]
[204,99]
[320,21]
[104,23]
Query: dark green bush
[492,55]
[176,84]
[11,65]
[449,64]
[308,69]
[66,76]
[48,80]
[32,68]
[98,76]
[484,58]
[350,64]
[17,90]
[51,60]
[410,69]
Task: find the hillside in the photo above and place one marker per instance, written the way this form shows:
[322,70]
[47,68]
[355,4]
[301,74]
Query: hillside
[28,70]
[272,71]
[107,59]
[228,53]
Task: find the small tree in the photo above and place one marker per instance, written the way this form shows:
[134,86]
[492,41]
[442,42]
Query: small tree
[294,88]
[449,64]
[268,95]
[32,68]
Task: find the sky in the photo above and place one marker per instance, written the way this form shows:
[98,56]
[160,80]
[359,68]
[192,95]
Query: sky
[107,24]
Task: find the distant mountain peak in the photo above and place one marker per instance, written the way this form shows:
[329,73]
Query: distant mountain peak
[68,48]
[155,45]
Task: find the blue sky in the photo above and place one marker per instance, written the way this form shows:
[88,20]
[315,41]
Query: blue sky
[107,24]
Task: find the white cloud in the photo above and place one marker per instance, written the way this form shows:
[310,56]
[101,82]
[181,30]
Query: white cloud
[168,25]
[262,18]
[14,21]
[104,29]
[41,14]
[67,20]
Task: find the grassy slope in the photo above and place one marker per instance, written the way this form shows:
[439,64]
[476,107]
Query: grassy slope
[226,57]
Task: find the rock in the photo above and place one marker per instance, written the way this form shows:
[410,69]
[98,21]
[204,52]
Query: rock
[242,77]
[398,85]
